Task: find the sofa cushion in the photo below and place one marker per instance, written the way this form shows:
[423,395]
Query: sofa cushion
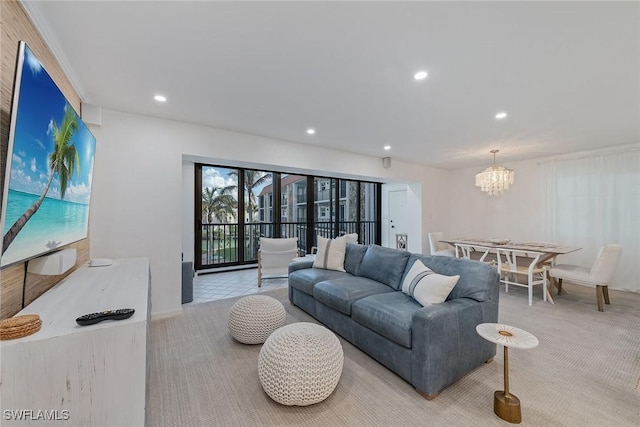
[341,293]
[331,253]
[389,314]
[384,265]
[476,278]
[304,280]
[353,257]
[425,286]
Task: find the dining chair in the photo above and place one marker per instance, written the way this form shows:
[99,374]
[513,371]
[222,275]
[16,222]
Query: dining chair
[598,276]
[510,272]
[464,250]
[274,256]
[437,247]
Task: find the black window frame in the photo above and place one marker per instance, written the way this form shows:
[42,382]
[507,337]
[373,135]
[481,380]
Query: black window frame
[335,186]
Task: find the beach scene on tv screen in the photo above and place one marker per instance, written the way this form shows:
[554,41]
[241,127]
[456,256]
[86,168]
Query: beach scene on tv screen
[51,165]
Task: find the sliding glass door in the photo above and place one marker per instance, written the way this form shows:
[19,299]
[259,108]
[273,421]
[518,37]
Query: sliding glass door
[369,208]
[235,207]
[258,211]
[293,208]
[324,212]
[217,231]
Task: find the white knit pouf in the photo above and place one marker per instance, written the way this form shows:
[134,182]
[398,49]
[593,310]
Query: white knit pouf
[254,318]
[300,364]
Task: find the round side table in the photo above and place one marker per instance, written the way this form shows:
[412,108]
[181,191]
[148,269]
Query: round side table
[505,404]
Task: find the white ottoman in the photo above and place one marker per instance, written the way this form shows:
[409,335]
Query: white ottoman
[300,364]
[254,318]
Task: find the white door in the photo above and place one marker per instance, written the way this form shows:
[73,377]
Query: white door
[397,215]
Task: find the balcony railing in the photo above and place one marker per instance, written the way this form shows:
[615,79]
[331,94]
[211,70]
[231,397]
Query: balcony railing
[221,245]
[366,234]
[296,229]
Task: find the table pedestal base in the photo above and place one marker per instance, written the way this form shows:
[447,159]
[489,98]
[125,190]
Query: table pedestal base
[507,407]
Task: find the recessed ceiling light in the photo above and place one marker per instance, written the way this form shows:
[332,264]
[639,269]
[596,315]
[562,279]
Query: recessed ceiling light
[420,75]
[387,147]
[311,131]
[160,98]
[501,115]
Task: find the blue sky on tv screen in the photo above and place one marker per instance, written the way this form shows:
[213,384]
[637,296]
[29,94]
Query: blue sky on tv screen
[41,104]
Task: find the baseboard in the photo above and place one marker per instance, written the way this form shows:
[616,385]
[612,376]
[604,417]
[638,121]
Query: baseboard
[166,314]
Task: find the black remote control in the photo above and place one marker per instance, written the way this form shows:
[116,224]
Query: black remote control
[90,319]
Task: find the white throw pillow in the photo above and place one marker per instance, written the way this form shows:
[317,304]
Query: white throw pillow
[427,287]
[351,238]
[331,253]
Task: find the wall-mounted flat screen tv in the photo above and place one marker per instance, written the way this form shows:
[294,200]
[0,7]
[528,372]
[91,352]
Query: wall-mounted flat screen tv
[47,186]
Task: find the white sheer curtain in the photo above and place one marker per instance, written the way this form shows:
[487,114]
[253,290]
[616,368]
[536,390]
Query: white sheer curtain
[593,201]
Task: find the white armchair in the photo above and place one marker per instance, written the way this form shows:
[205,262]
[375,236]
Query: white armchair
[598,276]
[437,247]
[274,256]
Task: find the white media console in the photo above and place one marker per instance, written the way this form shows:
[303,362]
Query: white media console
[89,375]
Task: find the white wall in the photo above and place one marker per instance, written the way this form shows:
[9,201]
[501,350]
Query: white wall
[516,215]
[142,187]
[520,213]
[436,206]
[136,206]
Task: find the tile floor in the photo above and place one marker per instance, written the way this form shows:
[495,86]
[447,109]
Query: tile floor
[215,286]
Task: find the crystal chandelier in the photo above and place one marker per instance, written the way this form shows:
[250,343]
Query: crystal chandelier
[495,179]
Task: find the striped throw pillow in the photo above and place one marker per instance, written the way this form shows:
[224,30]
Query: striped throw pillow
[331,253]
[427,287]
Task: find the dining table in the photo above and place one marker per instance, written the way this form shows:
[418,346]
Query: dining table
[548,251]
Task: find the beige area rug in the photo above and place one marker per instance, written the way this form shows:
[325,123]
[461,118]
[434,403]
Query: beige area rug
[585,372]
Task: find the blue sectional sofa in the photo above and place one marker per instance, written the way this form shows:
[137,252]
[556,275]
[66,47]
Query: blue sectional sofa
[431,347]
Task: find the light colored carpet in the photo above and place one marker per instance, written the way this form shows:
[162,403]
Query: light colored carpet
[585,372]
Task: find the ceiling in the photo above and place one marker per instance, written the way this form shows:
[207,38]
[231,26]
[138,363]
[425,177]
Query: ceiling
[567,73]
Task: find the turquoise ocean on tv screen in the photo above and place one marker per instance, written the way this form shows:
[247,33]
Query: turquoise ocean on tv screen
[56,223]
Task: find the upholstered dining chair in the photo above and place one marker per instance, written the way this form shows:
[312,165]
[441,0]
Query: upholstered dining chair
[598,276]
[274,256]
[438,247]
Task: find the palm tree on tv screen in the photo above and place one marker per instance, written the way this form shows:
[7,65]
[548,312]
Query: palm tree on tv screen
[63,160]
